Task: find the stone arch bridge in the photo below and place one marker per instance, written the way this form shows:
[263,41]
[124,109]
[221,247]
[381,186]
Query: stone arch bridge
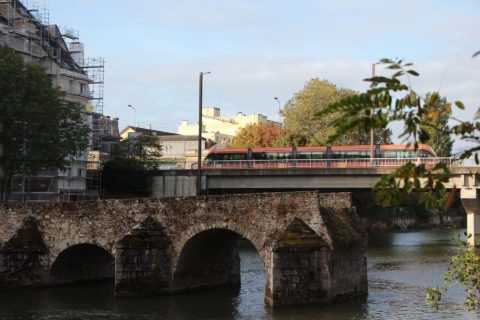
[312,247]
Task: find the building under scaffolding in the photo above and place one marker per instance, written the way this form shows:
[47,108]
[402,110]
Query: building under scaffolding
[25,28]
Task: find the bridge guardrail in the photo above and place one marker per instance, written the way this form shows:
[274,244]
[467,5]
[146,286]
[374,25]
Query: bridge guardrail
[333,163]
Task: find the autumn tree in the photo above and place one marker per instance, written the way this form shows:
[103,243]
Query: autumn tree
[301,110]
[435,124]
[258,135]
[38,128]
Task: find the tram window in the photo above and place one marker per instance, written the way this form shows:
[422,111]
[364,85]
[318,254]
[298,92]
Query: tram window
[259,156]
[278,155]
[356,154]
[318,155]
[232,156]
[389,154]
[311,155]
[336,155]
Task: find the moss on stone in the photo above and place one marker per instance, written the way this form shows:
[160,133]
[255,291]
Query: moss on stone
[299,235]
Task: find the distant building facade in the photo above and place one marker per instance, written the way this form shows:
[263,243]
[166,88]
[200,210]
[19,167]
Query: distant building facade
[178,151]
[222,129]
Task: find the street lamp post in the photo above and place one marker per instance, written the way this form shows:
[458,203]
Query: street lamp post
[371,115]
[279,109]
[134,115]
[199,156]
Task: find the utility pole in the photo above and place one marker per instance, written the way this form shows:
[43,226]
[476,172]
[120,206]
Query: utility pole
[134,115]
[200,125]
[372,150]
[279,110]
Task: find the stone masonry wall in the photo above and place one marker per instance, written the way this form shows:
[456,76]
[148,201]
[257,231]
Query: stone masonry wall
[281,226]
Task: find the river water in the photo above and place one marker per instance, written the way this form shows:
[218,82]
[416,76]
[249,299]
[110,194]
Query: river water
[400,267]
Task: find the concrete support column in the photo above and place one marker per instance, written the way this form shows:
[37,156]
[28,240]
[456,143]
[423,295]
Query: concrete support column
[472,208]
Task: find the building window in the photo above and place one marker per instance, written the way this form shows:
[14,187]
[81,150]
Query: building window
[71,86]
[82,89]
[79,172]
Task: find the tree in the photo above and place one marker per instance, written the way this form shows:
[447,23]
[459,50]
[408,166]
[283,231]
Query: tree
[126,177]
[144,149]
[376,108]
[258,135]
[38,128]
[436,124]
[301,121]
[128,173]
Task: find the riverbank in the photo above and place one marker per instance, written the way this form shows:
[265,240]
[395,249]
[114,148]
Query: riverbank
[411,222]
[410,215]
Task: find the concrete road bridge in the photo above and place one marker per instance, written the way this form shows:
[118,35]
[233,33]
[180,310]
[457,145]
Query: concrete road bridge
[332,176]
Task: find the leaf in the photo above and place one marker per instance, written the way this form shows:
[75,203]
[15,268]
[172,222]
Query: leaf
[460,105]
[413,73]
[385,60]
[476,54]
[394,66]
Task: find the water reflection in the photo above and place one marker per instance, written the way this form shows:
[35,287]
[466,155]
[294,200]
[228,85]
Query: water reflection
[400,267]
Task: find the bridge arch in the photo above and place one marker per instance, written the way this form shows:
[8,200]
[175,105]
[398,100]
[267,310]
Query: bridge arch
[82,262]
[209,258]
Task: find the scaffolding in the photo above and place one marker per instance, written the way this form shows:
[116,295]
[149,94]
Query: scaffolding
[94,68]
[25,28]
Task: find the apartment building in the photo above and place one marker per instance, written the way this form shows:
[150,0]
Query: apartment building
[28,32]
[222,129]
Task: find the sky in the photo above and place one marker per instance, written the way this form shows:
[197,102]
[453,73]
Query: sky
[260,49]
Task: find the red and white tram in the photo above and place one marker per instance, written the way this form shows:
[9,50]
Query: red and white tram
[317,157]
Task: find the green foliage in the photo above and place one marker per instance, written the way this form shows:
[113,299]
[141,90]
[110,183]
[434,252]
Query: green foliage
[144,148]
[396,188]
[38,128]
[128,174]
[147,150]
[122,177]
[435,124]
[388,100]
[301,121]
[290,140]
[464,269]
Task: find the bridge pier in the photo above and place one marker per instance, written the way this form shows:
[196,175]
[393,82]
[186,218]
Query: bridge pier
[143,261]
[469,197]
